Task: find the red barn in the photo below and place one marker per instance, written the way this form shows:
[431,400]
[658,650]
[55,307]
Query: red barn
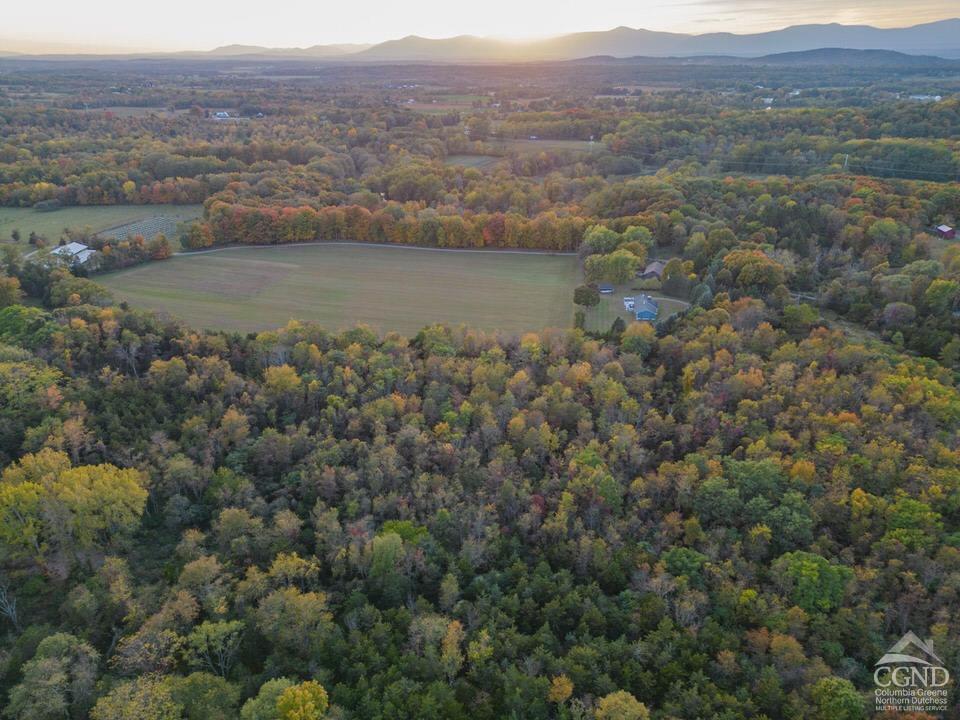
[946,232]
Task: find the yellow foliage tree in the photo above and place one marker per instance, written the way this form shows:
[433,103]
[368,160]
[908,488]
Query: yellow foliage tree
[561,688]
[621,705]
[306,701]
[47,506]
[450,655]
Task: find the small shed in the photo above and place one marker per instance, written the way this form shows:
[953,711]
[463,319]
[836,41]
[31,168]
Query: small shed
[946,232]
[605,289]
[645,308]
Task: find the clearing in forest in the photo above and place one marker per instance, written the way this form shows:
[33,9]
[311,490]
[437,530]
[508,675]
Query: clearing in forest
[341,285]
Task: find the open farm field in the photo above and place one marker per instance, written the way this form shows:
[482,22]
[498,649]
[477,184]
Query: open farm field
[339,285]
[98,218]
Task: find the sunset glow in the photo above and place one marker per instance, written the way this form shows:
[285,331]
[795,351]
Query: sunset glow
[113,25]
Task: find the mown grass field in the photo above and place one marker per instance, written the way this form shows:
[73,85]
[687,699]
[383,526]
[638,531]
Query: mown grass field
[444,103]
[528,145]
[128,111]
[338,286]
[480,162]
[97,218]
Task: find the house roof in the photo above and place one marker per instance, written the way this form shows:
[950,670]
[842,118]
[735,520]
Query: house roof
[74,251]
[656,266]
[645,303]
[71,248]
[944,228]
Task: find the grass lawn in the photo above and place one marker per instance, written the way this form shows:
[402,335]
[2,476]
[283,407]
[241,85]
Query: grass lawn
[127,111]
[98,218]
[461,99]
[601,317]
[444,103]
[434,108]
[481,162]
[388,288]
[940,245]
[526,145]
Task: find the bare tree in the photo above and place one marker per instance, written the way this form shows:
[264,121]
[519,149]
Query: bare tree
[8,605]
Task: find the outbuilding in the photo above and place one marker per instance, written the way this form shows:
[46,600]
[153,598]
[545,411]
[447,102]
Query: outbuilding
[74,253]
[653,271]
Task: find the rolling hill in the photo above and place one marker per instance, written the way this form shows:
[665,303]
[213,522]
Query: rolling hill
[318,51]
[846,56]
[820,56]
[941,38]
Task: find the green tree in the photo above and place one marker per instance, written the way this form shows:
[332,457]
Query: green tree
[296,622]
[204,696]
[386,577]
[811,581]
[617,328]
[264,705]
[213,646]
[638,234]
[620,266]
[684,561]
[69,290]
[799,318]
[889,232]
[586,296]
[940,297]
[58,682]
[639,338]
[601,240]
[837,699]
[479,127]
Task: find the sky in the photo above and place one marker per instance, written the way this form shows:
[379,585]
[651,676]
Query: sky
[117,25]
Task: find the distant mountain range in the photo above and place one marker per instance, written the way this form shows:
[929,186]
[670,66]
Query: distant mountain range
[941,38]
[820,56]
[318,51]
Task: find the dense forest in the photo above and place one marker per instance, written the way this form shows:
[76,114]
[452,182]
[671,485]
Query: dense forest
[729,519]
[732,513]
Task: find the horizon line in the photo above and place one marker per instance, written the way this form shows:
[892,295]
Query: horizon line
[74,49]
